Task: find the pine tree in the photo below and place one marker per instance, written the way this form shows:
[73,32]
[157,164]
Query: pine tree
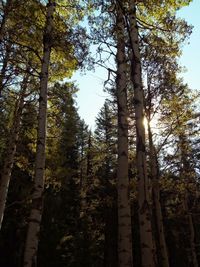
[12,143]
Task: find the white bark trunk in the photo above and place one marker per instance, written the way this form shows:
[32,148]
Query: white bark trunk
[147,248]
[124,210]
[32,240]
[10,154]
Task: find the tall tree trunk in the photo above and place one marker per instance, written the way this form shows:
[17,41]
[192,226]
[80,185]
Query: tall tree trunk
[3,81]
[193,258]
[154,170]
[187,176]
[89,157]
[124,210]
[110,247]
[32,240]
[10,154]
[6,9]
[147,248]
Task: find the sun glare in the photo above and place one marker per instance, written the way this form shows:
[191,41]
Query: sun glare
[153,124]
[145,123]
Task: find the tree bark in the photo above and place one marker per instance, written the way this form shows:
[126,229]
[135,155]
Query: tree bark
[7,8]
[89,157]
[10,154]
[154,170]
[3,81]
[147,248]
[32,240]
[110,247]
[124,210]
[187,176]
[192,233]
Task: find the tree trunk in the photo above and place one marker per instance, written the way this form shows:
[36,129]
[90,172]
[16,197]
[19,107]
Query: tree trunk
[193,258]
[32,240]
[192,241]
[147,248]
[10,154]
[7,8]
[89,157]
[187,175]
[154,170]
[3,81]
[124,210]
[110,246]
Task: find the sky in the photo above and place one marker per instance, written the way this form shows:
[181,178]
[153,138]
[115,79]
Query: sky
[91,97]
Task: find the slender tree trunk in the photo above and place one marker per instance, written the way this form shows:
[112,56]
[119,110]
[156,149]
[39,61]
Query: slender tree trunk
[10,154]
[110,249]
[147,248]
[124,210]
[110,211]
[89,158]
[193,258]
[4,67]
[32,240]
[81,166]
[186,174]
[154,169]
[192,241]
[6,9]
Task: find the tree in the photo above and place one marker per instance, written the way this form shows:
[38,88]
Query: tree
[12,143]
[181,111]
[36,211]
[105,165]
[155,177]
[6,9]
[138,102]
[98,185]
[124,211]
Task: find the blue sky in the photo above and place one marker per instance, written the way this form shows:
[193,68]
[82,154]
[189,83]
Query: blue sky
[191,52]
[90,97]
